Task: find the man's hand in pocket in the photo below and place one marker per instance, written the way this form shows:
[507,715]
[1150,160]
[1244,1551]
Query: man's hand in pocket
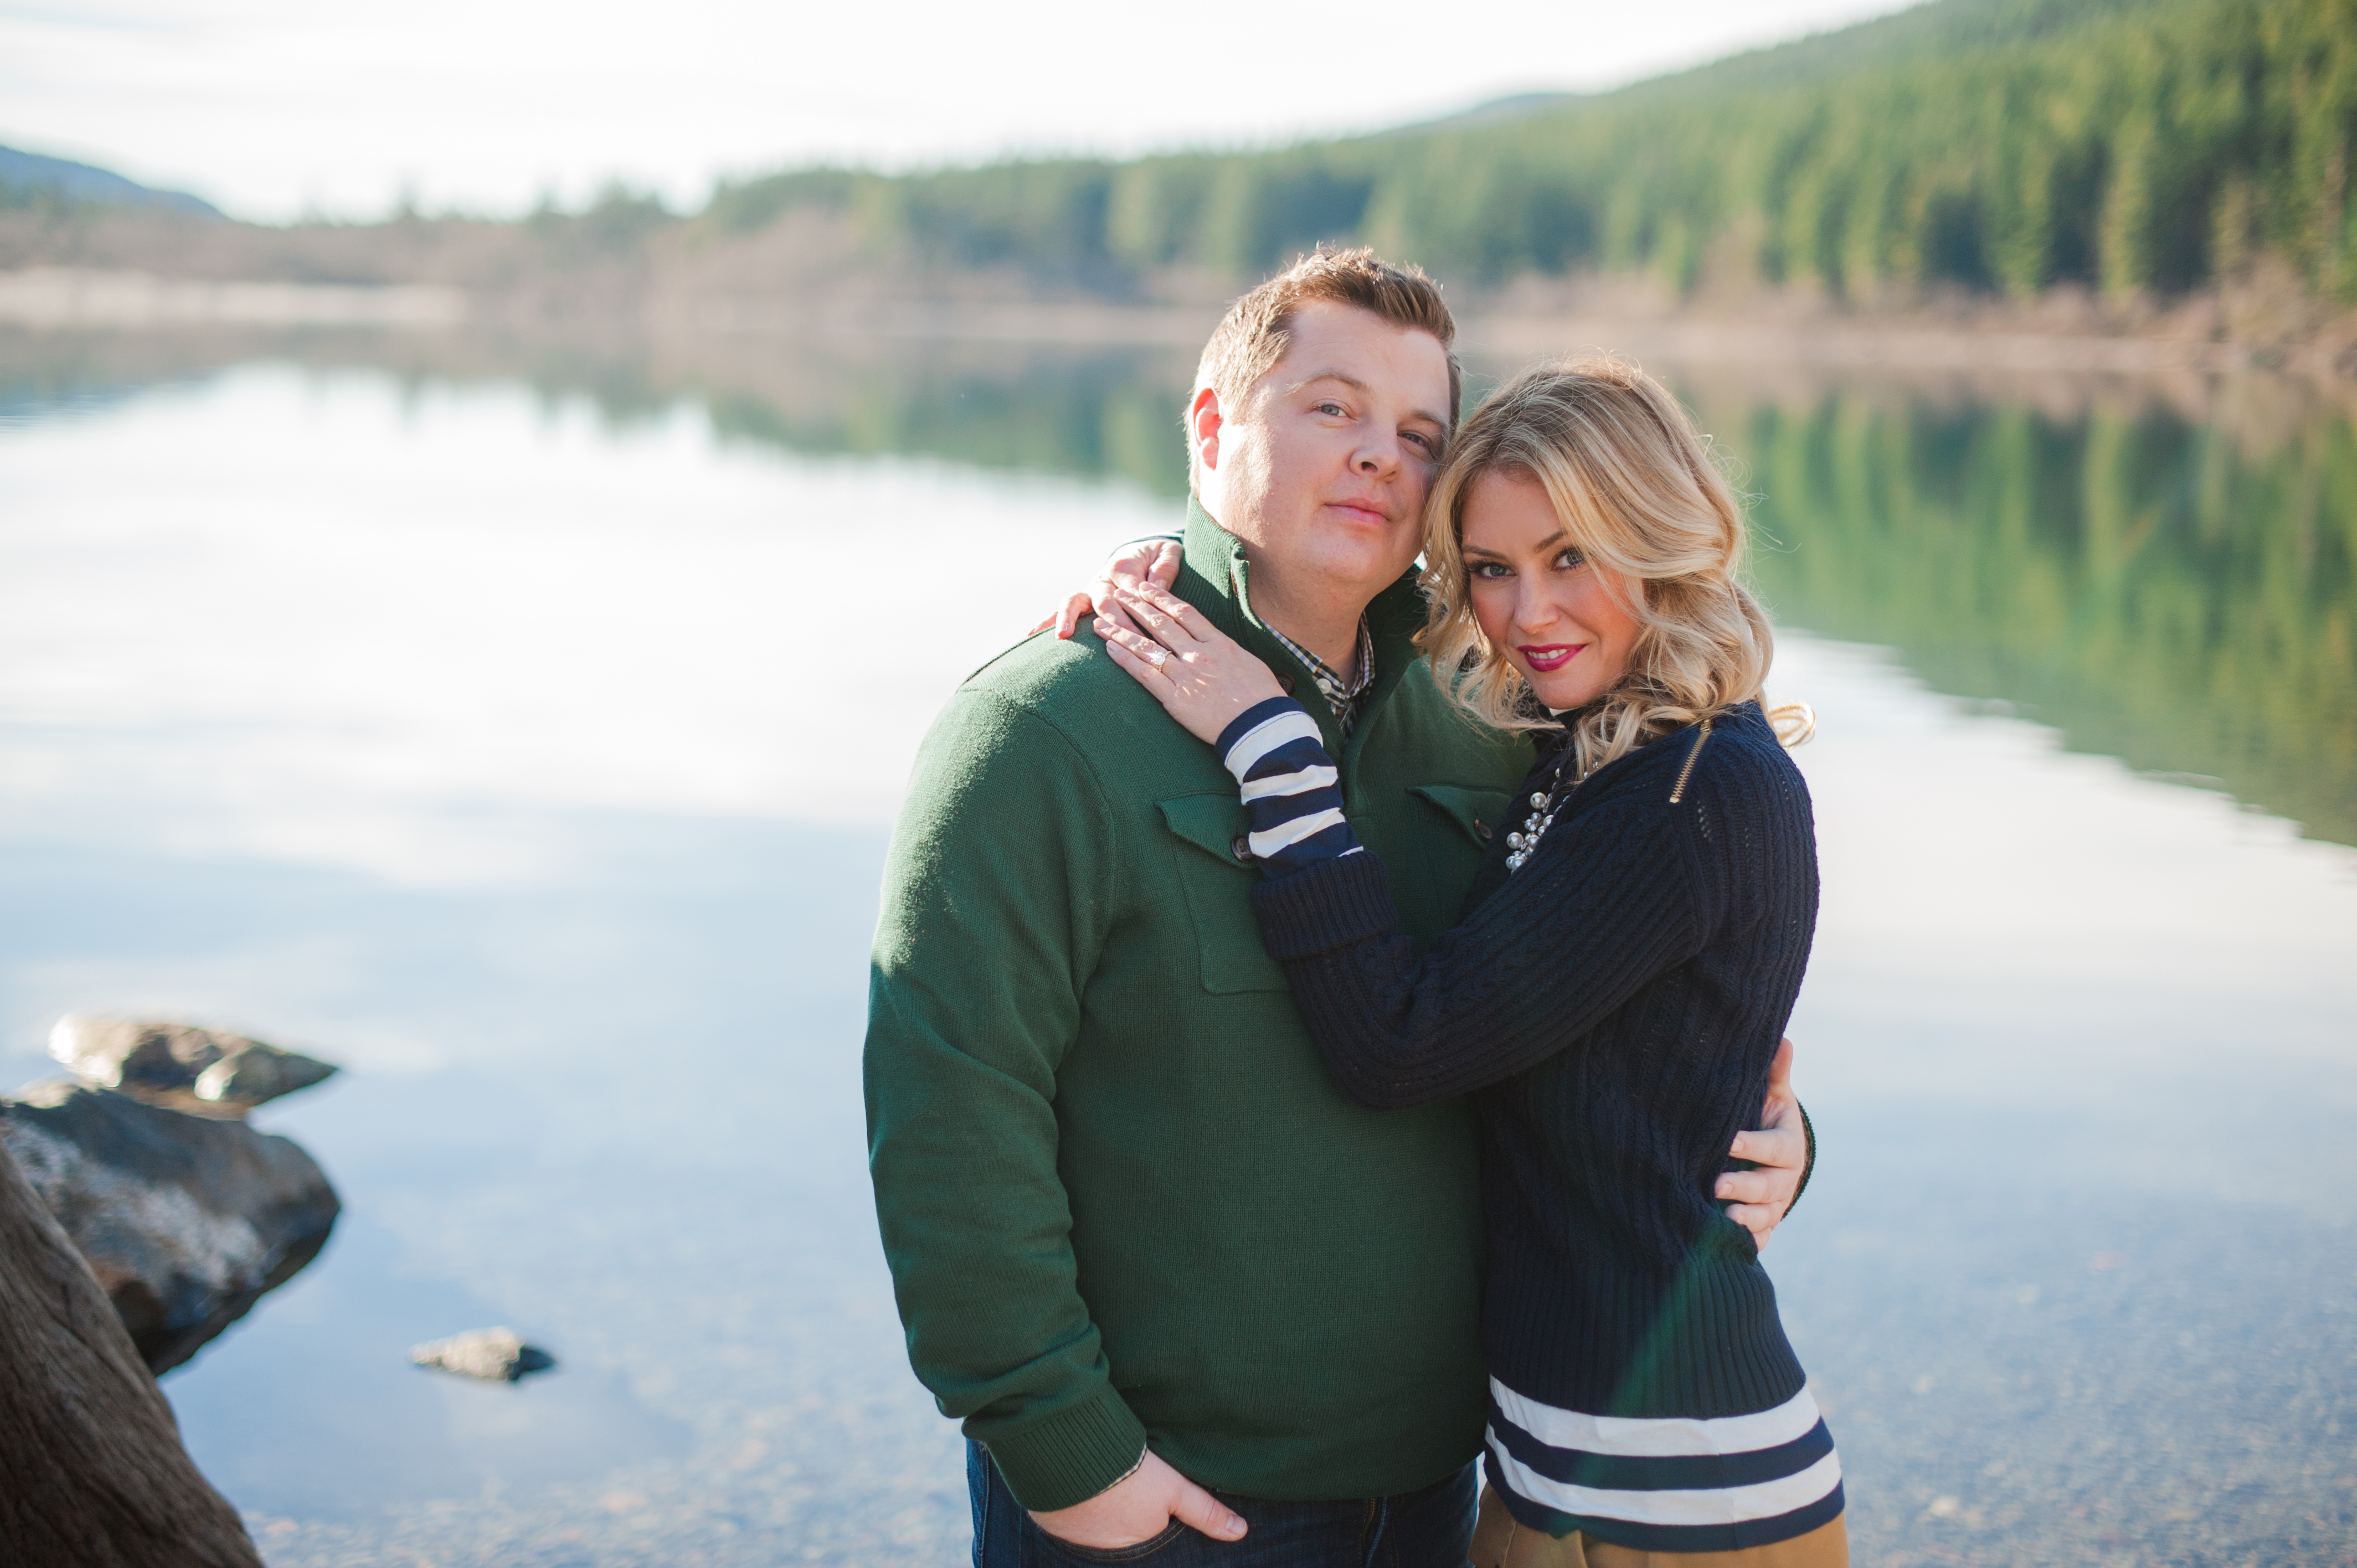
[1139,1506]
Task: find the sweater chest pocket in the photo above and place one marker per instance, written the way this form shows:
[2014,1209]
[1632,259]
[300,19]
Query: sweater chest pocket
[1216,872]
[1476,812]
[1476,815]
[1455,827]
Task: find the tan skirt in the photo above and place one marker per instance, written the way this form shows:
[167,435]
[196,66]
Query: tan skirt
[1502,1541]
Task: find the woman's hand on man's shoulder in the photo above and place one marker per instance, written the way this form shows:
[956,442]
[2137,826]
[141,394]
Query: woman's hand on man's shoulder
[1141,561]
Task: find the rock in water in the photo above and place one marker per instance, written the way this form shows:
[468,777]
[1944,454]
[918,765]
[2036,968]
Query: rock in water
[208,1073]
[95,1473]
[186,1221]
[494,1354]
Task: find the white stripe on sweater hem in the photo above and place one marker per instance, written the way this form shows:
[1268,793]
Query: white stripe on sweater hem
[1729,1505]
[1649,1439]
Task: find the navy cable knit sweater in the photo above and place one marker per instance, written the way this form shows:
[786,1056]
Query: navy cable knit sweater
[1613,1006]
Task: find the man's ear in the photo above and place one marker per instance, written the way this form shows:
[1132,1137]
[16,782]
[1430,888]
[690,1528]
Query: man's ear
[1203,424]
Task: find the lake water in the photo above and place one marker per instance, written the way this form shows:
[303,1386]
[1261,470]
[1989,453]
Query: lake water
[525,738]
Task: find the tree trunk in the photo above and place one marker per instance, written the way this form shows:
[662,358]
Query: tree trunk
[92,1471]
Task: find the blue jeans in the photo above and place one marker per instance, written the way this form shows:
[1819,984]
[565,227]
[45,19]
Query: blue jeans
[1427,1529]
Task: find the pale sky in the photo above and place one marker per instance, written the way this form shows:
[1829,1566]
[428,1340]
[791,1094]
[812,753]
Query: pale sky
[272,107]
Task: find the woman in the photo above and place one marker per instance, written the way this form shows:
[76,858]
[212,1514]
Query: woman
[1614,996]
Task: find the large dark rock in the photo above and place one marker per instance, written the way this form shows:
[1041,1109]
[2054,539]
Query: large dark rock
[186,1221]
[92,1471]
[208,1073]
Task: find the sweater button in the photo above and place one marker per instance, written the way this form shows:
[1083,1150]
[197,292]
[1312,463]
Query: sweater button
[1241,849]
[1480,829]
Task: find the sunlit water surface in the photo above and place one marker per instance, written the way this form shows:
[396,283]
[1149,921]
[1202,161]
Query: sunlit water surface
[539,771]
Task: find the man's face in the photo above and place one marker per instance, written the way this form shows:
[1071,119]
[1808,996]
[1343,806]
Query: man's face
[1322,469]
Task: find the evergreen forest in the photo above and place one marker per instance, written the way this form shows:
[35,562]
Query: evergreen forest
[1995,147]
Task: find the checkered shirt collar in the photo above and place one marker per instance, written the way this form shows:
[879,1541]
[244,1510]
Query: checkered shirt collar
[1342,696]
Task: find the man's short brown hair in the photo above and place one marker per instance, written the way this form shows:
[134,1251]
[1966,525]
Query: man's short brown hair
[1258,328]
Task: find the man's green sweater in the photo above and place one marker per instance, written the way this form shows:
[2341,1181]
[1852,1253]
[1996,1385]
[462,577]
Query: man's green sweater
[1121,1200]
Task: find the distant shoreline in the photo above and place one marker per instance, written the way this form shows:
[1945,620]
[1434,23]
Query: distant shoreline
[1764,343]
[1776,336]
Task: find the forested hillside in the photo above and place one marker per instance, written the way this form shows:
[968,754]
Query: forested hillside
[1997,145]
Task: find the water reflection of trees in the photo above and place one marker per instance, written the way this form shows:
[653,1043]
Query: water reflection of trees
[2172,584]
[2181,593]
[1093,410]
[1108,415]
[2165,574]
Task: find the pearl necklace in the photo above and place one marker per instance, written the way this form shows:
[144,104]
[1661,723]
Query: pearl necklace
[1543,806]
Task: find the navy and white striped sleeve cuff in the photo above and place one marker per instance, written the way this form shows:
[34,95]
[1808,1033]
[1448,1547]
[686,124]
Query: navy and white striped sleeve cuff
[1292,793]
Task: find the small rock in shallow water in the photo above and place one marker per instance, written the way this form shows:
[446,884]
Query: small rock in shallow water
[494,1354]
[206,1072]
[259,1072]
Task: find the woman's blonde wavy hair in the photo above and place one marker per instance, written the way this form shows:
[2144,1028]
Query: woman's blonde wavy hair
[1639,496]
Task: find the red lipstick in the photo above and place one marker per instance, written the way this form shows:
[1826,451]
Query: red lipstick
[1547,657]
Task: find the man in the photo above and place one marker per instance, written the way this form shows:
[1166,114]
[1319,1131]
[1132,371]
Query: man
[1140,1244]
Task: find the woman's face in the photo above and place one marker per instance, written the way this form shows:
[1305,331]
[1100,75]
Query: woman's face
[1552,613]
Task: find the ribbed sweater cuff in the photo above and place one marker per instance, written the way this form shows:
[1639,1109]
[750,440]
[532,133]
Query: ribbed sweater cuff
[1068,1458]
[1327,906]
